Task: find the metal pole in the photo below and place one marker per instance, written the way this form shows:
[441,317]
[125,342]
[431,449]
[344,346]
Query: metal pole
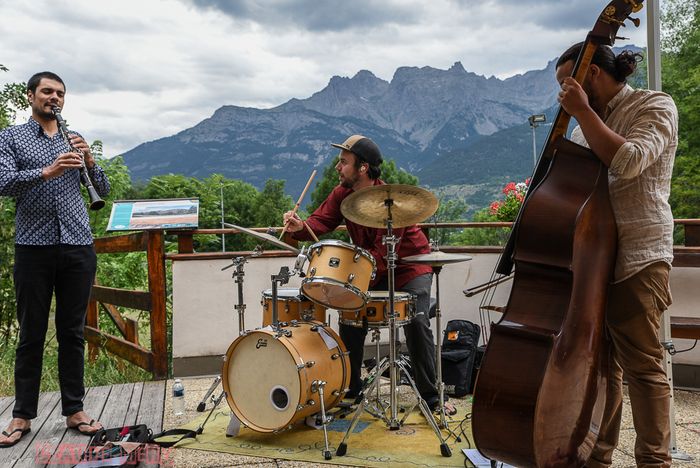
[223,236]
[533,125]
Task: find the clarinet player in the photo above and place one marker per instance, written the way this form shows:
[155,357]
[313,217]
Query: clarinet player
[54,252]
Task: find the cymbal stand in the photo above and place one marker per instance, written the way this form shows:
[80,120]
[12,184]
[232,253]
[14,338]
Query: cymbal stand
[438,348]
[238,275]
[394,365]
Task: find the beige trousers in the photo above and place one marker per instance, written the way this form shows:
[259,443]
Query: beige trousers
[633,321]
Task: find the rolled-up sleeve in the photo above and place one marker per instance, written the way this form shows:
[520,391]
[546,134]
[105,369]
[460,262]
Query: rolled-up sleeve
[649,135]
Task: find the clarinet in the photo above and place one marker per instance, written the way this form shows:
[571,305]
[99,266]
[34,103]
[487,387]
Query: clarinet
[95,201]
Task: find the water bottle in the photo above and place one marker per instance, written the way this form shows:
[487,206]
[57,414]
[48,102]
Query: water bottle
[178,398]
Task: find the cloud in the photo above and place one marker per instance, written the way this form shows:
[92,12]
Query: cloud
[140,70]
[314,15]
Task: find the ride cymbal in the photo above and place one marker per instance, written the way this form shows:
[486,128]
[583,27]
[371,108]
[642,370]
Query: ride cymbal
[369,206]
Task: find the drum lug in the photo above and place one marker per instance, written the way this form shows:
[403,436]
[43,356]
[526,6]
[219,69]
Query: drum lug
[281,333]
[299,408]
[351,277]
[310,403]
[312,272]
[337,355]
[310,363]
[294,323]
[335,392]
[301,366]
[357,256]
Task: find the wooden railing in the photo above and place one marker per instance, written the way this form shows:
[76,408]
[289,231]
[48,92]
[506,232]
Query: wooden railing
[127,346]
[154,301]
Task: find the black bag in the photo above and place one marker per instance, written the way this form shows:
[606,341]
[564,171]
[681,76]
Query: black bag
[459,352]
[101,447]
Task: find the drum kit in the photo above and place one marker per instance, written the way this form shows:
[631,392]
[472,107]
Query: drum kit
[300,365]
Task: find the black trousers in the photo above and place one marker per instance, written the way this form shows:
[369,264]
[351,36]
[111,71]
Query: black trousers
[39,272]
[419,341]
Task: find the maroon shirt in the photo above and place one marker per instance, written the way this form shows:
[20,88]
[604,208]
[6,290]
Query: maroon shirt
[328,216]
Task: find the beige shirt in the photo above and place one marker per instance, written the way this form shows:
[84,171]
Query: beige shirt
[639,177]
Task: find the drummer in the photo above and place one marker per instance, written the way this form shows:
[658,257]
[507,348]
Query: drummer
[359,167]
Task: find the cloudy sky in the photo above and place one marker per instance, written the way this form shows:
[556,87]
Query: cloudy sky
[140,70]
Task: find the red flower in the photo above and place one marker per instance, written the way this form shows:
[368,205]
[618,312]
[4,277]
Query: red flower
[510,187]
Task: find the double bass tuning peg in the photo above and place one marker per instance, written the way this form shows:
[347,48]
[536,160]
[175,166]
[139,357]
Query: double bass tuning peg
[634,20]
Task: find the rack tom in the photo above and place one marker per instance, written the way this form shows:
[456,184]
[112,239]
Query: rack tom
[376,312]
[338,275]
[291,305]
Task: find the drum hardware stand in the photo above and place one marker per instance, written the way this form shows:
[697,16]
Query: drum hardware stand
[438,349]
[203,404]
[393,364]
[216,401]
[282,278]
[238,274]
[318,386]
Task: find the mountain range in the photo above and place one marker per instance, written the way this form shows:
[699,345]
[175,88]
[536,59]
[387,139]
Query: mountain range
[449,127]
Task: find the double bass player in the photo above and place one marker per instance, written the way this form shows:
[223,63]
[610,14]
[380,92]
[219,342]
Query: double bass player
[634,133]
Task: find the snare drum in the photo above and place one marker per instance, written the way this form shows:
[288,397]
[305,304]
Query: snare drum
[290,306]
[376,312]
[269,376]
[339,274]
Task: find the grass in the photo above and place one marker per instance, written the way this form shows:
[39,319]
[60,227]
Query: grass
[107,369]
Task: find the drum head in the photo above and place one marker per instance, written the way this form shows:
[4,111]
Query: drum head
[332,294]
[263,382]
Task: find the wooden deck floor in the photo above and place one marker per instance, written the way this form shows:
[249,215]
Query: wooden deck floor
[51,444]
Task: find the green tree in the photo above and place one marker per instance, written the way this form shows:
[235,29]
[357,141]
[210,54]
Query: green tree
[329,180]
[681,79]
[13,97]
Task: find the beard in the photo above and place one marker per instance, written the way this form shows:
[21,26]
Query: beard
[349,182]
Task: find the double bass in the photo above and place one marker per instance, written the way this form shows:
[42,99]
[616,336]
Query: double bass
[540,392]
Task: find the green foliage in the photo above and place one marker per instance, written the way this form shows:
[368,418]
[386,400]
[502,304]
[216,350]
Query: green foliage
[681,79]
[482,236]
[329,180]
[507,209]
[13,97]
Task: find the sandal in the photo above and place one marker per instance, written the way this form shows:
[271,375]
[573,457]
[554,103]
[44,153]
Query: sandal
[22,432]
[78,427]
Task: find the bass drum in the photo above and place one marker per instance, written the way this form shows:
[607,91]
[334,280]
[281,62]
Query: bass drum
[269,376]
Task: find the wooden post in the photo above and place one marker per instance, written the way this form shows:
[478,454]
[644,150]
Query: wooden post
[156,286]
[92,321]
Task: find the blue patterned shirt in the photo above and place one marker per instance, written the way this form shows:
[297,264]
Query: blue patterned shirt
[49,212]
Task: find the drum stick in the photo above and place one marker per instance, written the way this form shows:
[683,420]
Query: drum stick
[308,228]
[296,207]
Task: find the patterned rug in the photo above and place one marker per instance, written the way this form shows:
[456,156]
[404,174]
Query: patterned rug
[371,443]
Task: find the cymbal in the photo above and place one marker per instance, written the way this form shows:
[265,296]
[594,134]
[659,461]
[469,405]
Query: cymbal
[410,205]
[264,236]
[437,258]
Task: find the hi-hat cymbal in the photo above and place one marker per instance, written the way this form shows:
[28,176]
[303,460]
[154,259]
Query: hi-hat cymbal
[437,258]
[265,236]
[410,205]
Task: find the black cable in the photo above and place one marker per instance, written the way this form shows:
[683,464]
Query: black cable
[673,351]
